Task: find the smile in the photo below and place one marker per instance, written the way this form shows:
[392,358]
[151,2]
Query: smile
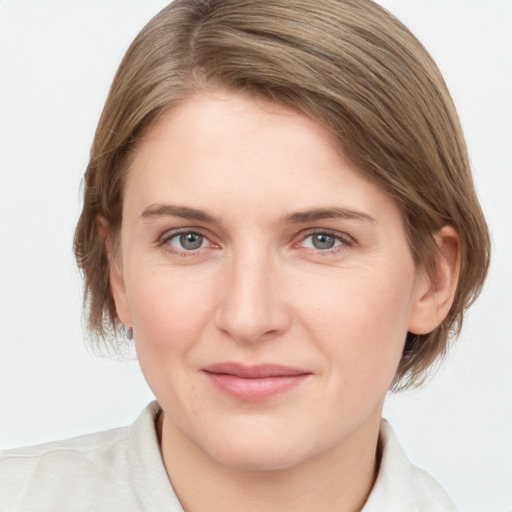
[254,383]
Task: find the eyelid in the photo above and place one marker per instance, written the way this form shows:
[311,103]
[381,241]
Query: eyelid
[345,239]
[169,234]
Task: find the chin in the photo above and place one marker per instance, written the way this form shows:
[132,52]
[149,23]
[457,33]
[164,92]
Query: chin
[259,446]
[258,457]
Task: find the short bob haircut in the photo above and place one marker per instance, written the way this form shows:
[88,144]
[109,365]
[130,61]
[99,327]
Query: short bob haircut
[347,64]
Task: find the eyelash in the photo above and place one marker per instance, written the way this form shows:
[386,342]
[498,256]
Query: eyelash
[168,236]
[345,240]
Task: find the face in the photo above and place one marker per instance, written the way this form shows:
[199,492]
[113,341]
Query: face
[269,285]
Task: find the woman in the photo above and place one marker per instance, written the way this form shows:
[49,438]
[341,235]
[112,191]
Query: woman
[279,211]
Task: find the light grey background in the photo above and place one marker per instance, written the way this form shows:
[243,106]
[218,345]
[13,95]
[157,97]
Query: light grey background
[57,59]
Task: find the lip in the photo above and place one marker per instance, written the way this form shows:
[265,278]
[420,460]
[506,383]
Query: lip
[254,383]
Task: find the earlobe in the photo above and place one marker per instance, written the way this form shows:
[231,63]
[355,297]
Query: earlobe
[116,279]
[435,293]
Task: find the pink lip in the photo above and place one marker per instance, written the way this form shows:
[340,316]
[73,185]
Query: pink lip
[254,383]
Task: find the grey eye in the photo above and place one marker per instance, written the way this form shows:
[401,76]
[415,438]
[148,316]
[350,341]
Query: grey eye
[323,241]
[188,241]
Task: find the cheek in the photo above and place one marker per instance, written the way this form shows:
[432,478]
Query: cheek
[168,312]
[360,320]
[168,319]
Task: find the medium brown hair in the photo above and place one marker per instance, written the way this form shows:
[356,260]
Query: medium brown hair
[349,65]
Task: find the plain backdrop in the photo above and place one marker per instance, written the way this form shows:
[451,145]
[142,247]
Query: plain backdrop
[57,59]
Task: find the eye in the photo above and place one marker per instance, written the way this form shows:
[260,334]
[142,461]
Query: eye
[187,241]
[324,241]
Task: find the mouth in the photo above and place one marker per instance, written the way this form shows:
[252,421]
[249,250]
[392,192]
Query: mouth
[254,383]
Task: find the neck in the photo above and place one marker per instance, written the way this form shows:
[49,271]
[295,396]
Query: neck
[340,479]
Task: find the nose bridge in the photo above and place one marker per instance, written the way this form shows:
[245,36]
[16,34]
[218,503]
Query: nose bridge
[251,306]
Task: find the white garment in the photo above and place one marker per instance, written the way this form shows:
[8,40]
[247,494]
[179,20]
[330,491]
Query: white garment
[121,470]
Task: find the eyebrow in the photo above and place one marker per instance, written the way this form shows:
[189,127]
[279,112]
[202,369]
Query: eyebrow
[185,212]
[327,213]
[312,215]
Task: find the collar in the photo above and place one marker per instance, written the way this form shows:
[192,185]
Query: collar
[400,486]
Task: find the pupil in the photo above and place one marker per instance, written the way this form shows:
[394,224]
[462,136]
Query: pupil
[191,241]
[323,241]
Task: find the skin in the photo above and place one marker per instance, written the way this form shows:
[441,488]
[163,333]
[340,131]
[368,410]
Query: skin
[257,290]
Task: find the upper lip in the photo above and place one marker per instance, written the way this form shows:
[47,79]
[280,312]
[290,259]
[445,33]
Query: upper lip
[257,371]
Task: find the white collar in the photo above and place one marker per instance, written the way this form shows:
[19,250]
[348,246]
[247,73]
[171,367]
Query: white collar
[400,486]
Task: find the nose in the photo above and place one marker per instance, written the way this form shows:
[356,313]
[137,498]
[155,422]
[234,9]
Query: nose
[251,307]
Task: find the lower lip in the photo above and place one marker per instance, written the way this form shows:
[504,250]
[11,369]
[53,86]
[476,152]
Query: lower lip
[254,390]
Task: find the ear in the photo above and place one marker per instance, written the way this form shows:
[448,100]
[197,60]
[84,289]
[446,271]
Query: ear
[435,293]
[116,279]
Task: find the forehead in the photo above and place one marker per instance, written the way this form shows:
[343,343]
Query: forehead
[224,150]
[221,123]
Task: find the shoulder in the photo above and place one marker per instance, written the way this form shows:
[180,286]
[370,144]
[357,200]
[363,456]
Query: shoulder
[62,474]
[400,485]
[90,472]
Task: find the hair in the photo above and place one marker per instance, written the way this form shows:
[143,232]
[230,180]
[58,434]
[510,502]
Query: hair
[347,64]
